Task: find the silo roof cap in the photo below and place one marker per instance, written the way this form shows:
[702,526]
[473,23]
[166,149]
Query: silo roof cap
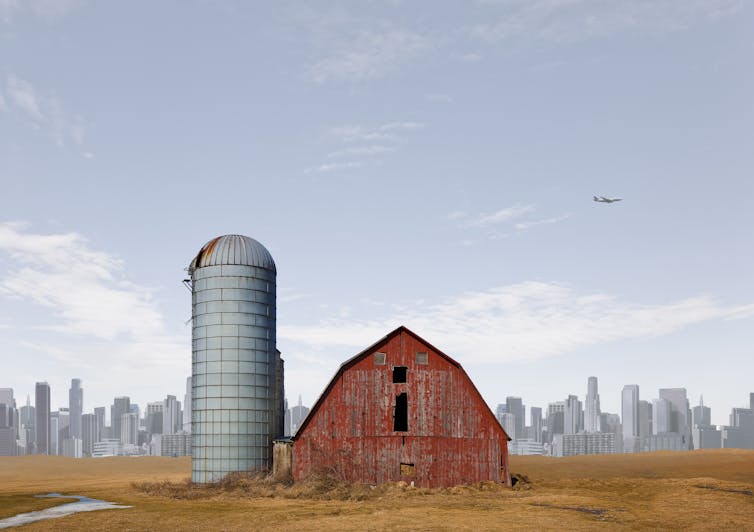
[233,250]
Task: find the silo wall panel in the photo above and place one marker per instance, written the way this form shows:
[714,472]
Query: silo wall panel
[234,374]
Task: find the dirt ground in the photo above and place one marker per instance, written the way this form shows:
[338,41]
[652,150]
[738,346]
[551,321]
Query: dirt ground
[699,490]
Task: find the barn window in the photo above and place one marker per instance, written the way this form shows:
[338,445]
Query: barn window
[400,414]
[422,358]
[379,359]
[407,470]
[399,374]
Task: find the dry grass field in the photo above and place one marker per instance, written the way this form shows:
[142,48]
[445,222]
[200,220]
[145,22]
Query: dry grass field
[700,490]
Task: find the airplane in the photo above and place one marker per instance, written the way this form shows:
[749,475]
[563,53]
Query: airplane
[603,199]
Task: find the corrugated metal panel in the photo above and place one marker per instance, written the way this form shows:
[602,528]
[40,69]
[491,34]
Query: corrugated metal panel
[452,437]
[233,250]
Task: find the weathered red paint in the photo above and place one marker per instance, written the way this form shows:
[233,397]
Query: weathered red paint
[452,438]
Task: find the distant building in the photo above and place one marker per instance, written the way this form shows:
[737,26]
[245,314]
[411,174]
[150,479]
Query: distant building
[294,417]
[555,419]
[706,437]
[120,406]
[508,421]
[662,414]
[526,447]
[592,407]
[701,415]
[573,415]
[154,417]
[129,429]
[516,407]
[668,441]
[88,433]
[172,422]
[645,419]
[175,444]
[187,407]
[99,415]
[630,418]
[107,447]
[680,419]
[536,423]
[740,433]
[75,407]
[584,443]
[42,413]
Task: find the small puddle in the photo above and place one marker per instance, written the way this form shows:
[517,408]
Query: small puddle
[83,504]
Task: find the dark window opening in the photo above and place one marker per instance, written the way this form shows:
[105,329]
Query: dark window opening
[399,374]
[400,415]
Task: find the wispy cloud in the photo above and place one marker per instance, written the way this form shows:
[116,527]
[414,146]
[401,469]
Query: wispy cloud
[487,219]
[573,20]
[523,321]
[545,221]
[96,317]
[43,111]
[367,54]
[46,9]
[359,146]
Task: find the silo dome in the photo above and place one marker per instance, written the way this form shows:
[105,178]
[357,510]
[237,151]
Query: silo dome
[236,372]
[233,250]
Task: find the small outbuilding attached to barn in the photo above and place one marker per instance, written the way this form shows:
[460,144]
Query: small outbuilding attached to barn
[402,410]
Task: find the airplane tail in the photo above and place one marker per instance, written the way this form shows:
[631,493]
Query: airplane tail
[595,198]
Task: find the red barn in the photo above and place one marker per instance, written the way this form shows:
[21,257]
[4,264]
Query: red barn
[402,410]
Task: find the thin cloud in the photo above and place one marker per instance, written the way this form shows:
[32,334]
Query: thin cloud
[367,55]
[46,9]
[545,221]
[487,219]
[44,111]
[524,321]
[575,20]
[362,146]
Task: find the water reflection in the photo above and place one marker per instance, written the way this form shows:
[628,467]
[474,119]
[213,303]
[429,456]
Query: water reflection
[82,504]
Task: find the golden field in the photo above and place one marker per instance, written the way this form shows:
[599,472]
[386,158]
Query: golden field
[699,490]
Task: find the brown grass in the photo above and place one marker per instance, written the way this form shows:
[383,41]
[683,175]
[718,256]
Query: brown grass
[669,491]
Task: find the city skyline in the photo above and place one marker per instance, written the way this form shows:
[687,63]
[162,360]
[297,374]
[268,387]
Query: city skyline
[432,167]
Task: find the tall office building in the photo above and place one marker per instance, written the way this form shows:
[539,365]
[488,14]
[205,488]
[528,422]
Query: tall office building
[555,419]
[508,421]
[8,423]
[60,431]
[171,415]
[645,419]
[129,428]
[515,406]
[536,423]
[187,407]
[630,417]
[88,433]
[121,405]
[661,416]
[99,424]
[26,426]
[75,407]
[573,415]
[592,407]
[680,419]
[154,417]
[701,415]
[42,413]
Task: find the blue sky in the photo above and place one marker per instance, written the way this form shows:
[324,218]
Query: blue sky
[429,164]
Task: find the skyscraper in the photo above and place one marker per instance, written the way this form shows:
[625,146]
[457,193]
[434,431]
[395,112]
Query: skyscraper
[701,415]
[99,414]
[536,423]
[661,416]
[630,417]
[154,417]
[645,419]
[555,419]
[680,420]
[171,418]
[42,413]
[592,407]
[88,433]
[75,407]
[121,405]
[572,416]
[187,407]
[515,406]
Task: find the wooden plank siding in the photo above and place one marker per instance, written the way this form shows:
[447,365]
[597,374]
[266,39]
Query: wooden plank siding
[452,438]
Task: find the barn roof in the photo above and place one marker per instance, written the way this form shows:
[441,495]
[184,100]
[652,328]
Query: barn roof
[351,361]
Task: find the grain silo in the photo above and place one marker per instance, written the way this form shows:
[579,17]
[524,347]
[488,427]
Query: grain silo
[236,368]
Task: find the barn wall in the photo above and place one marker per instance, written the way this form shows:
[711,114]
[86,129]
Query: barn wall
[452,437]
